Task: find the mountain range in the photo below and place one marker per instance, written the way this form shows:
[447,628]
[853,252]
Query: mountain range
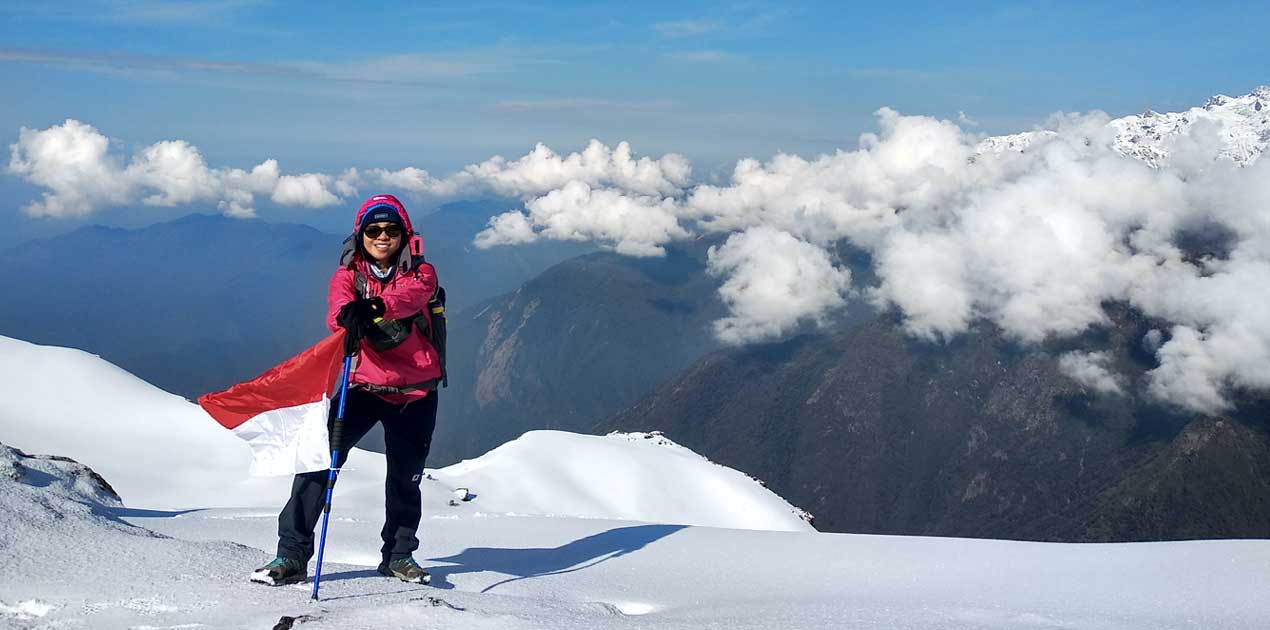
[570,347]
[868,429]
[202,302]
[1241,125]
[873,431]
[876,432]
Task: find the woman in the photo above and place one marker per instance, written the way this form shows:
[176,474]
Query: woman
[375,295]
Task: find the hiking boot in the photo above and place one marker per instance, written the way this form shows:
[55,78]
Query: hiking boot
[406,570]
[280,571]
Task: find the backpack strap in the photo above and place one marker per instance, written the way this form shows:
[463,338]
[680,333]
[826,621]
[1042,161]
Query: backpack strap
[349,251]
[437,329]
[430,322]
[359,284]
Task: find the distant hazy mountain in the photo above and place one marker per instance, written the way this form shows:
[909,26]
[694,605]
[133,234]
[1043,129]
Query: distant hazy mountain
[191,305]
[873,431]
[473,275]
[199,303]
[580,342]
[572,346]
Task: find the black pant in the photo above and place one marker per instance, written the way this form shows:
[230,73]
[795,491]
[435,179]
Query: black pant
[407,438]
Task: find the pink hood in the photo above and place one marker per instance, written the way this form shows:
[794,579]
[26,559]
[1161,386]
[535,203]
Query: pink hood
[384,200]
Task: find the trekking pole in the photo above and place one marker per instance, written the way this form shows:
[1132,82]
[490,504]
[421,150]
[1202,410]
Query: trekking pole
[336,434]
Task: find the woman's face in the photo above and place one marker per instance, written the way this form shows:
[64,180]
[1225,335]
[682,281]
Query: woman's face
[387,240]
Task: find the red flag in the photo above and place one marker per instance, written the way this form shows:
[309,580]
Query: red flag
[282,413]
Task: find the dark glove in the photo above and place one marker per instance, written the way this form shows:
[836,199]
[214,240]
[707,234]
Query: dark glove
[357,316]
[352,343]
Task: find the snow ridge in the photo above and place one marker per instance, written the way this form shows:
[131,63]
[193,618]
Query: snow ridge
[1239,127]
[625,476]
[658,438]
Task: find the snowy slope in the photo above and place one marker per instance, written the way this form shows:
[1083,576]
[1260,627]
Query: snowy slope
[162,452]
[157,449]
[632,476]
[68,557]
[1239,127]
[73,556]
[539,572]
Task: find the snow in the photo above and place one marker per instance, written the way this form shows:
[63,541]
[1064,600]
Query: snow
[560,531]
[160,451]
[647,477]
[1240,126]
[25,610]
[157,449]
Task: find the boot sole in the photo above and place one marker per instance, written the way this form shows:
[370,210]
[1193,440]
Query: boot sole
[426,578]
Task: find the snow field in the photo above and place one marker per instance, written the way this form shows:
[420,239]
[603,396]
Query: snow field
[565,531]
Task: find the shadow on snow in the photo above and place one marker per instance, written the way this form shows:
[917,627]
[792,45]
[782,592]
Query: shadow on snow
[537,562]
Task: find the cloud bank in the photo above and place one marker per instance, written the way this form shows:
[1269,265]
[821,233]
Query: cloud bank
[74,162]
[774,282]
[1032,233]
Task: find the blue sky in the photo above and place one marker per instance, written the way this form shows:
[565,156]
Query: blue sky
[326,86]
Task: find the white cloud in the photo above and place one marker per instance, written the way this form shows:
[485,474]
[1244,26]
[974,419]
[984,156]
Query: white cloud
[309,189]
[74,162]
[1092,370]
[925,276]
[509,228]
[421,183]
[775,282]
[634,225]
[1034,239]
[347,183]
[237,204]
[175,170]
[543,170]
[916,163]
[1186,372]
[1220,338]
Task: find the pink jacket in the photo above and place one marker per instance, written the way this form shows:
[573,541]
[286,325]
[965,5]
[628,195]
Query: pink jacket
[414,360]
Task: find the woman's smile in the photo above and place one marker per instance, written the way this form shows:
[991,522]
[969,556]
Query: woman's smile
[384,245]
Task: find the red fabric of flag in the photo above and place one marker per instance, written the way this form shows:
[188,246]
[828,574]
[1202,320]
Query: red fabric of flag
[305,378]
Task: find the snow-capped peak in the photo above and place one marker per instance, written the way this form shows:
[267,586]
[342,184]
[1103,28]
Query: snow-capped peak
[1241,125]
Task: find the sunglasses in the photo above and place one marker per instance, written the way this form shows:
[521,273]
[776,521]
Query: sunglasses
[373,232]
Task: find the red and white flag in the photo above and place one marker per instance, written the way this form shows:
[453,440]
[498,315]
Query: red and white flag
[282,413]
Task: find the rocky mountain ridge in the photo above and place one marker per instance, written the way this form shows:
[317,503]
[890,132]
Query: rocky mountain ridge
[1241,125]
[875,432]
